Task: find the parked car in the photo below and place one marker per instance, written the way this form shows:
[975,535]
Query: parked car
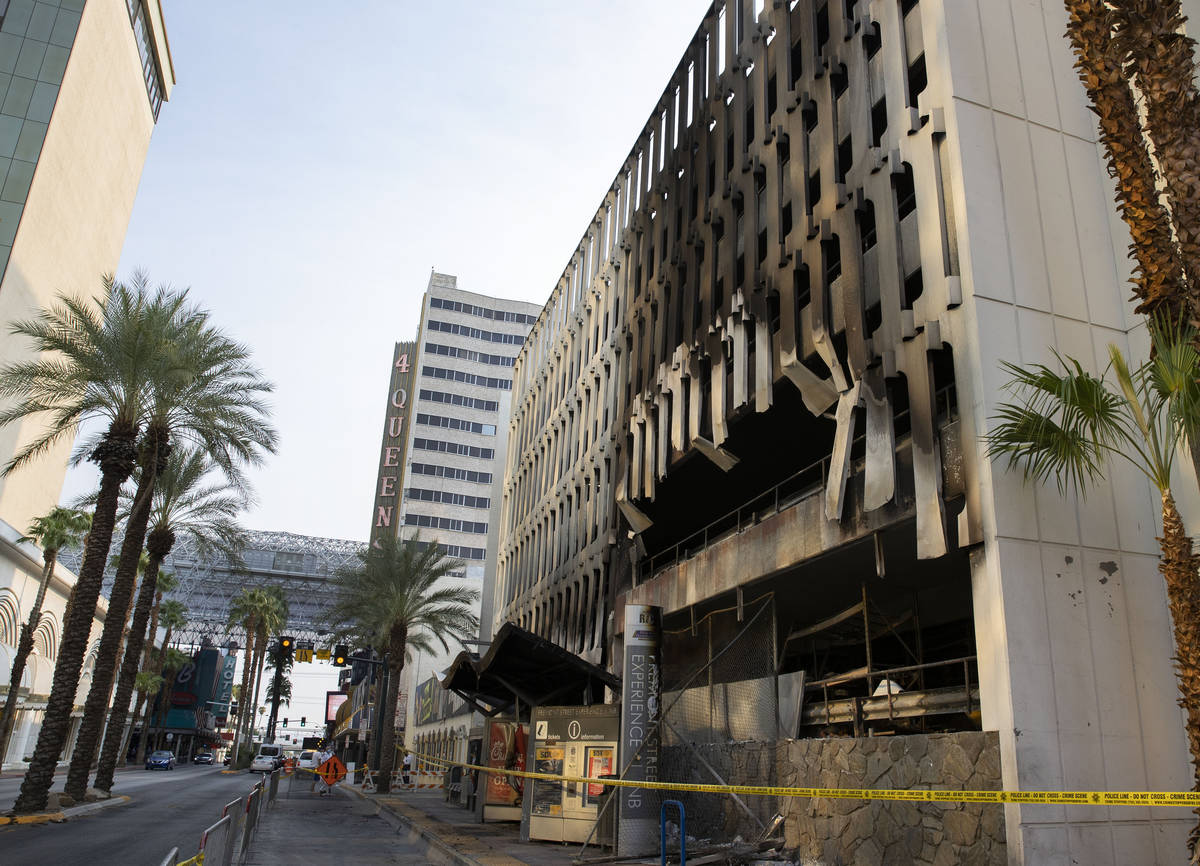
[308,760]
[161,760]
[268,759]
[203,758]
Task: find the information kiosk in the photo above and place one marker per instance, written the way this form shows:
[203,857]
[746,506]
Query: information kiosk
[570,741]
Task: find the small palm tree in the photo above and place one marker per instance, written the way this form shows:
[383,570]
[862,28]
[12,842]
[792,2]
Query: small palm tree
[61,527]
[172,616]
[1066,426]
[93,361]
[189,502]
[207,392]
[391,601]
[257,611]
[281,666]
[271,621]
[166,583]
[173,662]
[147,683]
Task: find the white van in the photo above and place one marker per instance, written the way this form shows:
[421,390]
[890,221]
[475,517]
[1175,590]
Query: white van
[268,759]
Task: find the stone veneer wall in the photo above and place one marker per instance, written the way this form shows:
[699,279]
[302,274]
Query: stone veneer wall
[866,833]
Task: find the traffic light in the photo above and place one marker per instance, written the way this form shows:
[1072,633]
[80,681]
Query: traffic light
[304,721]
[340,654]
[285,722]
[287,644]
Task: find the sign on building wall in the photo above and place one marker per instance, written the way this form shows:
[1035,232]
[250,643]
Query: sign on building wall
[385,517]
[641,693]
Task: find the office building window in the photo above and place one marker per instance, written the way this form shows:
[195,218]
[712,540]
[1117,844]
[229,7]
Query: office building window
[428,522]
[468,355]
[476,333]
[467,378]
[447,498]
[484,312]
[460,400]
[454,448]
[451,472]
[145,45]
[456,424]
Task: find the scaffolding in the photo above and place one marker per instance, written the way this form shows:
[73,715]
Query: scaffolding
[303,565]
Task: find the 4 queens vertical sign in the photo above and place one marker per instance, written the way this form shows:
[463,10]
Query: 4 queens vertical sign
[392,454]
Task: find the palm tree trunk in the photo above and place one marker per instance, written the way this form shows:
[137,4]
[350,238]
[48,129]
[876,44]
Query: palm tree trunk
[158,666]
[1150,34]
[1180,567]
[145,738]
[116,455]
[244,694]
[397,646]
[159,545]
[24,647]
[260,656]
[1158,274]
[95,708]
[137,712]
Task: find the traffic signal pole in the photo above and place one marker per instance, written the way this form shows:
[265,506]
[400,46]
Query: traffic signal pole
[284,652]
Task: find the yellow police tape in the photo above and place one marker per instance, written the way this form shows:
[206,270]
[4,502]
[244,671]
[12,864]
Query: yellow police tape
[1077,798]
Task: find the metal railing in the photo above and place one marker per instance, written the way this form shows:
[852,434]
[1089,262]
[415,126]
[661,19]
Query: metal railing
[798,486]
[228,840]
[887,674]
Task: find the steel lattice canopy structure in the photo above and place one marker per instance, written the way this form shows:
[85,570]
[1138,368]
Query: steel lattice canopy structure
[303,565]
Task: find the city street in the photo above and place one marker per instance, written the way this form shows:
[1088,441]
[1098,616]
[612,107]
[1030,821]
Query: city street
[166,809]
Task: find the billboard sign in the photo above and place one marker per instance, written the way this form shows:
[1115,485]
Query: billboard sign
[333,700]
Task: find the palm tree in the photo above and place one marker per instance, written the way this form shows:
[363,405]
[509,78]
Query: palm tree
[166,583]
[1067,424]
[1101,64]
[1150,34]
[281,666]
[147,683]
[391,601]
[208,393]
[256,610]
[187,502]
[172,615]
[60,527]
[271,621]
[93,361]
[173,662]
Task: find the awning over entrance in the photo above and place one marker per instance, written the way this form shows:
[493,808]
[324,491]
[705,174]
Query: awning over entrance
[522,668]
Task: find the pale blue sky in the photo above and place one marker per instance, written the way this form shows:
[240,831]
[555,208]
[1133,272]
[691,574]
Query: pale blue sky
[316,160]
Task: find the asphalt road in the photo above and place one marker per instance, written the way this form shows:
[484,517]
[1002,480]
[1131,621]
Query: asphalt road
[166,809]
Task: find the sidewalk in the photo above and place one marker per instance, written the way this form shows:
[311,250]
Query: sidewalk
[305,829]
[447,825]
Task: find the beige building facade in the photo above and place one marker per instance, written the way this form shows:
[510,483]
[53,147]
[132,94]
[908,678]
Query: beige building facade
[81,85]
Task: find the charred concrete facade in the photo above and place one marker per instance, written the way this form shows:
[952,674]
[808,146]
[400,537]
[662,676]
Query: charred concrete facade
[768,364]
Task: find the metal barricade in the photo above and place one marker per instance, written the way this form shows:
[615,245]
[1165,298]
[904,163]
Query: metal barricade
[253,803]
[215,842]
[237,814]
[274,787]
[171,858]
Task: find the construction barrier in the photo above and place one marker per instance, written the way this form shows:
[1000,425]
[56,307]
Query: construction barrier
[223,843]
[1188,799]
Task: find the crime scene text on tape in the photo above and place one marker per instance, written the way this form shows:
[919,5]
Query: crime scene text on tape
[1074,798]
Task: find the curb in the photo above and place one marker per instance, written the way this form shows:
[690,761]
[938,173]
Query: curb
[99,805]
[35,818]
[63,815]
[399,821]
